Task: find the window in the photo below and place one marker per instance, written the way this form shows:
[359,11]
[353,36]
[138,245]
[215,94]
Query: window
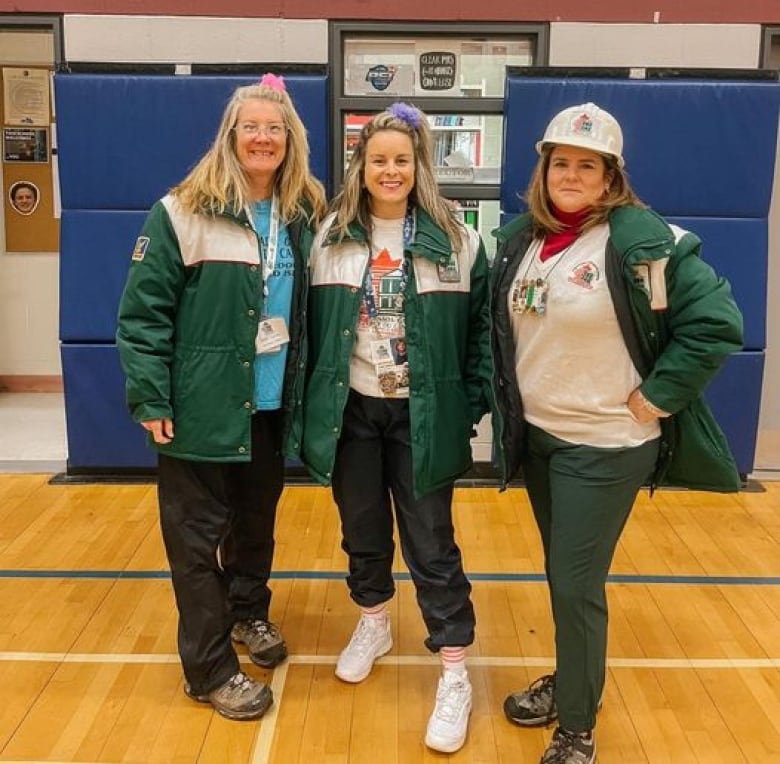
[455,73]
[771,48]
[433,65]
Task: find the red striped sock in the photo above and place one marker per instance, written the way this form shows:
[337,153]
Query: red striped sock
[453,659]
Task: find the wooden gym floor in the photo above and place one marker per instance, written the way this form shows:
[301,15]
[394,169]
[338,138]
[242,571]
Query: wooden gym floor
[89,671]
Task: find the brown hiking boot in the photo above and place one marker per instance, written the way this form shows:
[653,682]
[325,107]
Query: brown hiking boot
[263,640]
[240,698]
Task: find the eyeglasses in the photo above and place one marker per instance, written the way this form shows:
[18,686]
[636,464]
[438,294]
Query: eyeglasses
[252,130]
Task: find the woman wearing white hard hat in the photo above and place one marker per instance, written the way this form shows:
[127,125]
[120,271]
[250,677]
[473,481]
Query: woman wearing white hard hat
[607,326]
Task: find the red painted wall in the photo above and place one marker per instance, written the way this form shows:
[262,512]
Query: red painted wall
[635,11]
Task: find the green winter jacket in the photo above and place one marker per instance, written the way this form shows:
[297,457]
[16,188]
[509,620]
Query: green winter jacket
[187,325]
[447,343]
[677,351]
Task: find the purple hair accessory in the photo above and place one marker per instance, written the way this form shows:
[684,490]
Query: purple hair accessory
[275,83]
[406,113]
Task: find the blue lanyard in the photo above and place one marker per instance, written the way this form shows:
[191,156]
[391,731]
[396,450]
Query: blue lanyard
[368,285]
[268,253]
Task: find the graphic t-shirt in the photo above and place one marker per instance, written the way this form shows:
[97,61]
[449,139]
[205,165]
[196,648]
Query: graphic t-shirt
[379,366]
[571,362]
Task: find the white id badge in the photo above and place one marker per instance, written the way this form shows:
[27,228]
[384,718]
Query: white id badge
[271,335]
[381,352]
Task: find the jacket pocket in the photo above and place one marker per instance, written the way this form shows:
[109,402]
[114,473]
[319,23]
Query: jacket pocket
[212,404]
[448,447]
[700,458]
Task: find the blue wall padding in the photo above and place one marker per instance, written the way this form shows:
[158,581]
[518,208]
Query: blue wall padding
[738,250]
[95,256]
[123,141]
[735,398]
[693,148]
[101,433]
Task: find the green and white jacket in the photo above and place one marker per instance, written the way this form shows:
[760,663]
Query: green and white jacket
[446,324]
[188,320]
[676,350]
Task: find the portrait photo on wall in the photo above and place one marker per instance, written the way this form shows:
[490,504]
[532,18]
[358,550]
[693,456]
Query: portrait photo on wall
[24,197]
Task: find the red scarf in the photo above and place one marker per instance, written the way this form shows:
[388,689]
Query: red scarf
[557,242]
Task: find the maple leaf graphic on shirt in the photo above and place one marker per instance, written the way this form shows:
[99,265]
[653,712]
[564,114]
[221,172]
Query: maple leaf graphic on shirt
[386,283]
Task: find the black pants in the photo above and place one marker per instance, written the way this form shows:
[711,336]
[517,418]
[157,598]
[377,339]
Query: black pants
[217,522]
[373,463]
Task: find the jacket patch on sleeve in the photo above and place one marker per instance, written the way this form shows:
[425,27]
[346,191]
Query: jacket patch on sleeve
[139,250]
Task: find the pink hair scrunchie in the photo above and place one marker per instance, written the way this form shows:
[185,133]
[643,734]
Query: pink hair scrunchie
[275,83]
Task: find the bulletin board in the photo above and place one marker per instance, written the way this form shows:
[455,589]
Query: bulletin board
[28,156]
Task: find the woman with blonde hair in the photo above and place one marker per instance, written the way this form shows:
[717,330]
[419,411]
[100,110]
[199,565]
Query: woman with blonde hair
[393,267]
[212,339]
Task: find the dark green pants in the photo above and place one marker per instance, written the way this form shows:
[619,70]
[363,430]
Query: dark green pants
[581,498]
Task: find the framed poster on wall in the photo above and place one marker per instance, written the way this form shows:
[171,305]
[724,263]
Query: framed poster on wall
[26,99]
[25,144]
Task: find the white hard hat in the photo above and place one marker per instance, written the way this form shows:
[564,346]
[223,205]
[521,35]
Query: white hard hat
[588,127]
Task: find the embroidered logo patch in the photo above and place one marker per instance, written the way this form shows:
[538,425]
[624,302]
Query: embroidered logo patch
[584,274]
[139,250]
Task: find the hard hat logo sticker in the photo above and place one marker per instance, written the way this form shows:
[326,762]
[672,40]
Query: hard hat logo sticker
[583,124]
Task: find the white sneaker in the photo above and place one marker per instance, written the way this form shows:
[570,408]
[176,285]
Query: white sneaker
[449,721]
[370,640]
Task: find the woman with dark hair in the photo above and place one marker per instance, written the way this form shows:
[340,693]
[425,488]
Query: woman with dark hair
[607,326]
